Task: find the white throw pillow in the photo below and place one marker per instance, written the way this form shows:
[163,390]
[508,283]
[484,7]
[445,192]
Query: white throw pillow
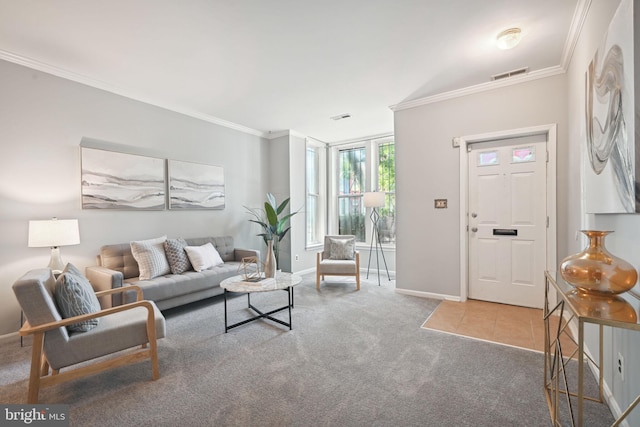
[203,257]
[342,248]
[152,261]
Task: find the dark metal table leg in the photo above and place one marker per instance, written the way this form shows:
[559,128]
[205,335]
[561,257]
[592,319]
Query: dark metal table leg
[226,329]
[290,292]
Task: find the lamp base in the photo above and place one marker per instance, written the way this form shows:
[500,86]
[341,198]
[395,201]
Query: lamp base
[55,263]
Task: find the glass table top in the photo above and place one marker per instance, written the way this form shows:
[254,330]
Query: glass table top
[615,310]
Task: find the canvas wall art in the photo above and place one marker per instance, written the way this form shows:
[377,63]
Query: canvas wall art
[609,160]
[195,186]
[112,180]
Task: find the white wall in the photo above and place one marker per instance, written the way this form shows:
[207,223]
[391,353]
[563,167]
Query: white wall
[625,241]
[42,121]
[427,168]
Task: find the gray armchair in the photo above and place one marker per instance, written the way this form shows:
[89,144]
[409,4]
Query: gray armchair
[339,258]
[137,324]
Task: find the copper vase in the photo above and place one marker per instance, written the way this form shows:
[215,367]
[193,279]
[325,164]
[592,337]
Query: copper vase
[595,270]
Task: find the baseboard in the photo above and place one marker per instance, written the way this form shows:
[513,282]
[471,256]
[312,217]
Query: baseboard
[8,337]
[432,295]
[305,271]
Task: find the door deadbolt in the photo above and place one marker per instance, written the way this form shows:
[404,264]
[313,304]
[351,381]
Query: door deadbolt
[474,215]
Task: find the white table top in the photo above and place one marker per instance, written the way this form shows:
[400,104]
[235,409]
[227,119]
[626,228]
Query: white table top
[281,281]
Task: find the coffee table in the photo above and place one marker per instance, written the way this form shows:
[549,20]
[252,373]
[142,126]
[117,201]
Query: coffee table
[282,282]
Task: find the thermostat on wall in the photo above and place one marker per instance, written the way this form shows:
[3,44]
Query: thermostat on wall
[440,203]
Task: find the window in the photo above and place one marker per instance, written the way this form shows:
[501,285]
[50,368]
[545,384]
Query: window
[316,194]
[362,167]
[351,185]
[387,183]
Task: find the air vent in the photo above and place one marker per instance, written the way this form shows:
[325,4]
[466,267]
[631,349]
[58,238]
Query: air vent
[341,116]
[508,74]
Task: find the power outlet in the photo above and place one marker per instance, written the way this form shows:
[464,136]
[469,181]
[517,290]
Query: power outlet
[297,258]
[620,366]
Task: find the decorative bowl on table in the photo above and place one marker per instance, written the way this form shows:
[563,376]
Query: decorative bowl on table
[596,270]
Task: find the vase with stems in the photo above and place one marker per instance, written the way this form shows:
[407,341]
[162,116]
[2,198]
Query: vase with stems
[596,270]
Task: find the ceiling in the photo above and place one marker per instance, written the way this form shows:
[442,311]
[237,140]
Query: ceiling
[264,66]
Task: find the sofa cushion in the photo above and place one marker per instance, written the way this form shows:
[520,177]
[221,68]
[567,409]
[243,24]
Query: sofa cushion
[75,296]
[175,285]
[203,257]
[152,261]
[176,255]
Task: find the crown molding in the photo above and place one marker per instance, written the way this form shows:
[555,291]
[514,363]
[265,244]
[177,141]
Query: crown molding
[102,85]
[289,132]
[482,87]
[577,23]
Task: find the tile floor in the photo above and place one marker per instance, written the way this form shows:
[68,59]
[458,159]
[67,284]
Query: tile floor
[501,323]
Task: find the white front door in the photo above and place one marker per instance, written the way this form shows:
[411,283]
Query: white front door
[508,220]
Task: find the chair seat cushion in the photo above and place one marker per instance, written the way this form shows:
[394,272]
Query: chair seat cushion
[333,266]
[115,332]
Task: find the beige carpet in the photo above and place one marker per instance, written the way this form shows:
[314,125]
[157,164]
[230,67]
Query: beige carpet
[520,327]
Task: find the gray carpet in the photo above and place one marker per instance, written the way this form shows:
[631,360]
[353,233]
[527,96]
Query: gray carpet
[352,358]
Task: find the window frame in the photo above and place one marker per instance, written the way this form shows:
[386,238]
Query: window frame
[320,193]
[371,146]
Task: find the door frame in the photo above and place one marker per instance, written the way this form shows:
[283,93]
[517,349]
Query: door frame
[550,131]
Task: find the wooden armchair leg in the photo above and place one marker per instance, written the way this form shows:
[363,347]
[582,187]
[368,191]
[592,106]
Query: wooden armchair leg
[36,367]
[153,346]
[318,279]
[44,367]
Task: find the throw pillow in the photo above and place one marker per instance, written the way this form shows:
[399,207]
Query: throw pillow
[341,248]
[75,296]
[203,257]
[152,261]
[177,257]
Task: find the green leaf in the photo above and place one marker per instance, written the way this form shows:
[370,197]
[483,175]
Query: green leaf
[282,205]
[272,200]
[272,216]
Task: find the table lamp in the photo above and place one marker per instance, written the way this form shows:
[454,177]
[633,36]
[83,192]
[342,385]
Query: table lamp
[54,233]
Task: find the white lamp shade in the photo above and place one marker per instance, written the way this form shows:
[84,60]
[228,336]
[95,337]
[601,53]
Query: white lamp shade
[374,199]
[53,233]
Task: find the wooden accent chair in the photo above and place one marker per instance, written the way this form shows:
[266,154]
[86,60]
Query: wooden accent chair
[328,264]
[130,325]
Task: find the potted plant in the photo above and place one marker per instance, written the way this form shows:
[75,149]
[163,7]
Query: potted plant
[274,229]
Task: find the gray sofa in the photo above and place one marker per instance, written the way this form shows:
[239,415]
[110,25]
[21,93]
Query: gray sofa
[118,268]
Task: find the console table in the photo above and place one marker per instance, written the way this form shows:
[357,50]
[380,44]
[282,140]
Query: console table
[613,311]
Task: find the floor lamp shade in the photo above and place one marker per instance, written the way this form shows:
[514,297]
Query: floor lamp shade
[375,199]
[54,233]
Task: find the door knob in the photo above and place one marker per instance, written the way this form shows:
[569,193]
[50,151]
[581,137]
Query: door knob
[474,229]
[474,215]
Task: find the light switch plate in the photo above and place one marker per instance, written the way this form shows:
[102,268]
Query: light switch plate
[440,203]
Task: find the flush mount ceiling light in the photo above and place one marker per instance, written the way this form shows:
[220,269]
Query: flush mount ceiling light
[508,39]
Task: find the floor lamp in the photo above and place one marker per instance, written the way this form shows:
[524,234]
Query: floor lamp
[375,200]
